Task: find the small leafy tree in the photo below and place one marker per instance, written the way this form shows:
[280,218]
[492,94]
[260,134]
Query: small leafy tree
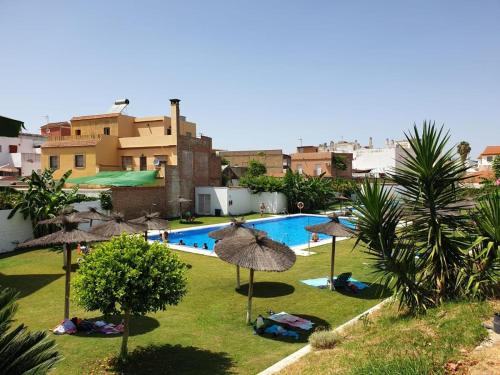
[129,276]
[256,168]
[21,351]
[496,166]
[45,199]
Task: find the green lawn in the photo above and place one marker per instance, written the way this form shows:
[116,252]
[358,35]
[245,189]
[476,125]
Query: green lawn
[206,333]
[393,343]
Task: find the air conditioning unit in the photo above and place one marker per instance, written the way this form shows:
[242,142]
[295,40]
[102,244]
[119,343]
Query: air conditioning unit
[129,168]
[157,162]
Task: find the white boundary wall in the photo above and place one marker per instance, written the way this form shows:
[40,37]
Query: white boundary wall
[239,200]
[17,230]
[13,231]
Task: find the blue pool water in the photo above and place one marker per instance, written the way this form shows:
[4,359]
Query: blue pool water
[289,230]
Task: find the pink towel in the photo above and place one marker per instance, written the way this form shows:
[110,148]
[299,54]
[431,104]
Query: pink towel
[292,320]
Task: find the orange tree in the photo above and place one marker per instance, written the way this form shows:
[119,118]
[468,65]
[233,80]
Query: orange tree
[129,276]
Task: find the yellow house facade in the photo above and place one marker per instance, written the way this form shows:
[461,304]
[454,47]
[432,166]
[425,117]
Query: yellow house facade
[115,142]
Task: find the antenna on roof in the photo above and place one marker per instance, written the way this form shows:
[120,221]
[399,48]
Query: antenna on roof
[119,106]
[46,119]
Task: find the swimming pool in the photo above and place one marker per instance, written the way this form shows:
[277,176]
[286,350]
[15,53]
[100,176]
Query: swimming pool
[289,230]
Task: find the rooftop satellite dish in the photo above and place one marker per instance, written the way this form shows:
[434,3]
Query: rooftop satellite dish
[119,106]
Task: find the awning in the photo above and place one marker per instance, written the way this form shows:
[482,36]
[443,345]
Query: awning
[118,178]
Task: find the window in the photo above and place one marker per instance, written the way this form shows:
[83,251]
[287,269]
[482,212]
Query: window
[317,169]
[143,163]
[12,149]
[169,131]
[54,162]
[189,134]
[106,131]
[127,163]
[78,132]
[299,168]
[79,161]
[489,158]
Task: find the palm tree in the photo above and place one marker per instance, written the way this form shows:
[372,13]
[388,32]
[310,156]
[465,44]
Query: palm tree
[425,257]
[21,351]
[45,199]
[463,149]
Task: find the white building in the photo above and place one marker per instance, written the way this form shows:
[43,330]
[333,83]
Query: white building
[487,156]
[21,153]
[368,160]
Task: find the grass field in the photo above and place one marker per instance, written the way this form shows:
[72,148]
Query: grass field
[393,344]
[206,333]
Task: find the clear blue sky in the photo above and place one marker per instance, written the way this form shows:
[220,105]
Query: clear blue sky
[259,74]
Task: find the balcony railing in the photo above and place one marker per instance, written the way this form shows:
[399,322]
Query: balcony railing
[74,137]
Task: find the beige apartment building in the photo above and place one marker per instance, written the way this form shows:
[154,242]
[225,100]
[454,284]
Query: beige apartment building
[308,160]
[275,161]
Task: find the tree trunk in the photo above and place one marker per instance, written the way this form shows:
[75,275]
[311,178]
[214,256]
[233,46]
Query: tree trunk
[332,265]
[238,277]
[250,292]
[67,251]
[126,324]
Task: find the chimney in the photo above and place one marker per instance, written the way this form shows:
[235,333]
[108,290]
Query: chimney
[175,116]
[370,142]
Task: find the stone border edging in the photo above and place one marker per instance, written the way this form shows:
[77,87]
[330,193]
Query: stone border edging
[295,356]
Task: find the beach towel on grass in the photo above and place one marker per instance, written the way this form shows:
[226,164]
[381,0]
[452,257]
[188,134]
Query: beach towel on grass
[292,320]
[322,282]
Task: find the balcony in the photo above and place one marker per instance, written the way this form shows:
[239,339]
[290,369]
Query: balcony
[56,138]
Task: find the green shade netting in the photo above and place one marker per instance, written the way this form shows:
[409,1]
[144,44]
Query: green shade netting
[118,178]
[10,127]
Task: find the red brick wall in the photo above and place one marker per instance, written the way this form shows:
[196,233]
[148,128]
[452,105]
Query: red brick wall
[132,201]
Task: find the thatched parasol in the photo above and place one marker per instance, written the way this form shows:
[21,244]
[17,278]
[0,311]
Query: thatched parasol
[92,214]
[152,222]
[335,229]
[69,235]
[256,252]
[180,200]
[116,226]
[236,226]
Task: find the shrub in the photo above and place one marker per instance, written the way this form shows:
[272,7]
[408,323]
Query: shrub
[106,201]
[324,339]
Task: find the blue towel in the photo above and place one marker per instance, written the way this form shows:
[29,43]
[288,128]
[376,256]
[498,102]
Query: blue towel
[323,282]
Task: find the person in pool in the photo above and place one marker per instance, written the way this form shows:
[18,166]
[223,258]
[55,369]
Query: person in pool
[181,242]
[205,246]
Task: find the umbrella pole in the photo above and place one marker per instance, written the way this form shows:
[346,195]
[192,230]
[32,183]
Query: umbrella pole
[146,236]
[237,277]
[67,251]
[250,292]
[90,224]
[332,265]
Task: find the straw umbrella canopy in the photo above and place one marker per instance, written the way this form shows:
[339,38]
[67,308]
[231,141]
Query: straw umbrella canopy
[92,214]
[68,235]
[180,200]
[335,229]
[116,226]
[257,253]
[152,222]
[236,227]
